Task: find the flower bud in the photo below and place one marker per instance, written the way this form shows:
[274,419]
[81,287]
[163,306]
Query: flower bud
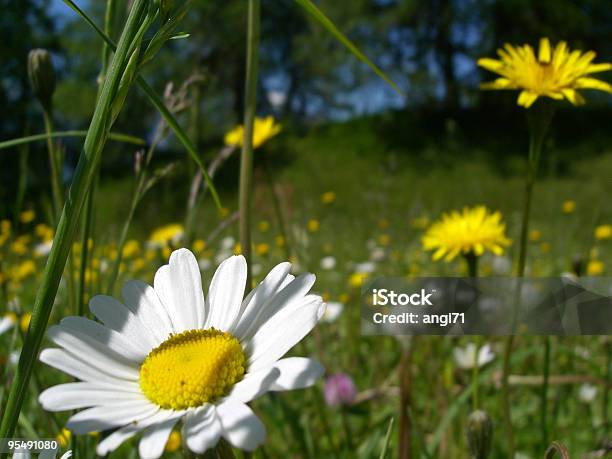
[42,76]
[479,434]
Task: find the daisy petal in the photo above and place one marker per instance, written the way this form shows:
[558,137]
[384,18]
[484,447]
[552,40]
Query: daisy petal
[283,331]
[240,426]
[85,371]
[82,345]
[258,297]
[116,316]
[179,286]
[141,299]
[115,439]
[297,373]
[202,429]
[110,416]
[154,439]
[226,292]
[291,293]
[254,384]
[77,395]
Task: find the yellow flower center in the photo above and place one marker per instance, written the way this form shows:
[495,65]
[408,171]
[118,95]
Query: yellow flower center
[192,368]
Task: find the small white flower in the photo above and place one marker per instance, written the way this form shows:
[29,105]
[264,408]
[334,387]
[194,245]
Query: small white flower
[223,255]
[466,357]
[378,254]
[43,249]
[7,322]
[587,393]
[501,265]
[256,269]
[168,354]
[228,243]
[204,264]
[332,312]
[365,267]
[328,263]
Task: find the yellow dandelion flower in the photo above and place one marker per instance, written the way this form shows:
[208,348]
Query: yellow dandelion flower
[420,223]
[357,279]
[63,438]
[174,442]
[568,207]
[595,268]
[44,232]
[473,230]
[555,73]
[5,227]
[167,234]
[603,232]
[139,264]
[23,270]
[131,248]
[328,197]
[535,235]
[27,216]
[545,247]
[263,130]
[199,245]
[344,298]
[24,322]
[279,241]
[223,212]
[262,249]
[313,225]
[237,249]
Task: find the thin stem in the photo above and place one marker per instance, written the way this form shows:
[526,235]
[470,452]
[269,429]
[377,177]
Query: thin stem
[55,167]
[277,208]
[405,377]
[86,169]
[246,160]
[554,448]
[544,395]
[539,119]
[60,134]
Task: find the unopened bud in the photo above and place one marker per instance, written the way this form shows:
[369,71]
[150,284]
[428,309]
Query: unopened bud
[42,76]
[479,434]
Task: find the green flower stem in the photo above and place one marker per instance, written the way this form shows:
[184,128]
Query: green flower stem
[246,160]
[59,134]
[89,204]
[544,395]
[277,208]
[55,167]
[86,169]
[405,381]
[159,105]
[539,119]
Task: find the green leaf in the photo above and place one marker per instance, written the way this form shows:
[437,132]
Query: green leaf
[320,17]
[158,103]
[36,137]
[383,453]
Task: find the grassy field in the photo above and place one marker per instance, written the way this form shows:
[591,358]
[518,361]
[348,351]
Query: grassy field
[353,191]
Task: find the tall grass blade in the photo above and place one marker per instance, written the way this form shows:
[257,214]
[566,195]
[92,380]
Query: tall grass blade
[61,134]
[320,17]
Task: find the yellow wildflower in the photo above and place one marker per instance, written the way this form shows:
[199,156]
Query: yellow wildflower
[174,442]
[568,207]
[237,249]
[357,279]
[535,235]
[263,226]
[556,73]
[63,438]
[24,322]
[279,241]
[167,234]
[23,270]
[199,245]
[131,248]
[384,239]
[595,268]
[473,230]
[313,225]
[27,216]
[262,249]
[328,197]
[263,130]
[603,232]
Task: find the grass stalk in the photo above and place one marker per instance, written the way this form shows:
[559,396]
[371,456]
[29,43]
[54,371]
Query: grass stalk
[539,119]
[86,169]
[246,159]
[61,134]
[405,380]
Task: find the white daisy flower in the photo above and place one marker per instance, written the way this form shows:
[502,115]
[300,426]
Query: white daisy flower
[169,354]
[587,393]
[328,263]
[7,321]
[333,310]
[466,357]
